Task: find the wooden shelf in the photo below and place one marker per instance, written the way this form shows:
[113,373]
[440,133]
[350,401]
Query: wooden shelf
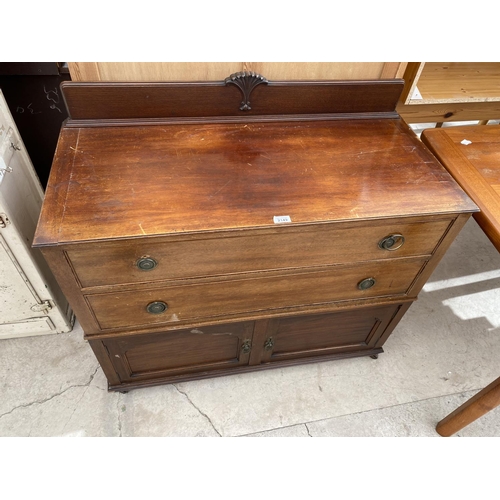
[458,82]
[451,91]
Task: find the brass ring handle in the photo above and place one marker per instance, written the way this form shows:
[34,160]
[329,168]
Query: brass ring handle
[366,283]
[391,242]
[269,344]
[146,263]
[246,346]
[157,307]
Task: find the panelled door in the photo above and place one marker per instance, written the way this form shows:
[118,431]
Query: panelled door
[180,352]
[31,302]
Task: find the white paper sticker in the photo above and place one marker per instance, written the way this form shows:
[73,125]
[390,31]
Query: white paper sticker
[280,219]
[466,142]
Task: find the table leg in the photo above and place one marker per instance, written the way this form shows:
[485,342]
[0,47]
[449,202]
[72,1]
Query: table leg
[483,402]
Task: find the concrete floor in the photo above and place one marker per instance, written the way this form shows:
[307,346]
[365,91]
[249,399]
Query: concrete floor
[444,350]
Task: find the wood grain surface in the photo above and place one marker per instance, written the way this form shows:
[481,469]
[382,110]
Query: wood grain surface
[293,338]
[459,82]
[120,101]
[215,350]
[199,301]
[195,71]
[183,351]
[449,112]
[112,263]
[481,403]
[475,166]
[144,181]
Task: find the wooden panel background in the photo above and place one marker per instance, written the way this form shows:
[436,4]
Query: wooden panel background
[206,71]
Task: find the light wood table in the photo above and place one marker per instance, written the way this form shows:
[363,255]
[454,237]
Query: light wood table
[472,155]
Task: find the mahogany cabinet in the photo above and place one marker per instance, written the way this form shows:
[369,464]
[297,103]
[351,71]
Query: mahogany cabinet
[211,228]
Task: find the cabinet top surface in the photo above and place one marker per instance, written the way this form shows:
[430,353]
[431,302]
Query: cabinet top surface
[115,182]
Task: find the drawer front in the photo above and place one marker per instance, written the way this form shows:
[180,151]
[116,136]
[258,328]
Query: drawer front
[182,351]
[110,263]
[238,297]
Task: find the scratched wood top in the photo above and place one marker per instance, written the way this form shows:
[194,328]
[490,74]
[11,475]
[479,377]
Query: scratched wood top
[476,167]
[113,182]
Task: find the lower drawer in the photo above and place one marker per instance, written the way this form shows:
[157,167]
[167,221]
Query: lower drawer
[203,301]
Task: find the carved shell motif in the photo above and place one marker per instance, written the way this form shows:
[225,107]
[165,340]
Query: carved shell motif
[246,81]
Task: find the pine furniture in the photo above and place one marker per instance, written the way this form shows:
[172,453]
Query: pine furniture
[472,155]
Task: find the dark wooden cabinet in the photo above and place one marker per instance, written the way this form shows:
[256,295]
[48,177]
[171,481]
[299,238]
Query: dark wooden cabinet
[196,234]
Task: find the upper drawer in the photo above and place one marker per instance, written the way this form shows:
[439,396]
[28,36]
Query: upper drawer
[218,299]
[118,262]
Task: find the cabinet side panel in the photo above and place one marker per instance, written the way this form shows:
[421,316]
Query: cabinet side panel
[102,355]
[447,240]
[66,279]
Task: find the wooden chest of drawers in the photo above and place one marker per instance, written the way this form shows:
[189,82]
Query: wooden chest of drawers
[194,240]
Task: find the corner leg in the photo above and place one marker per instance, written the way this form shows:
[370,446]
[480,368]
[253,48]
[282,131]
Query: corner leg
[483,402]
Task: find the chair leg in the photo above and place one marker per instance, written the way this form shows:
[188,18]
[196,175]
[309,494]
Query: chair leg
[478,405]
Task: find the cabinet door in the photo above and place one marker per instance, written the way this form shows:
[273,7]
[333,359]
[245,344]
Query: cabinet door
[23,312]
[31,302]
[324,334]
[175,353]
